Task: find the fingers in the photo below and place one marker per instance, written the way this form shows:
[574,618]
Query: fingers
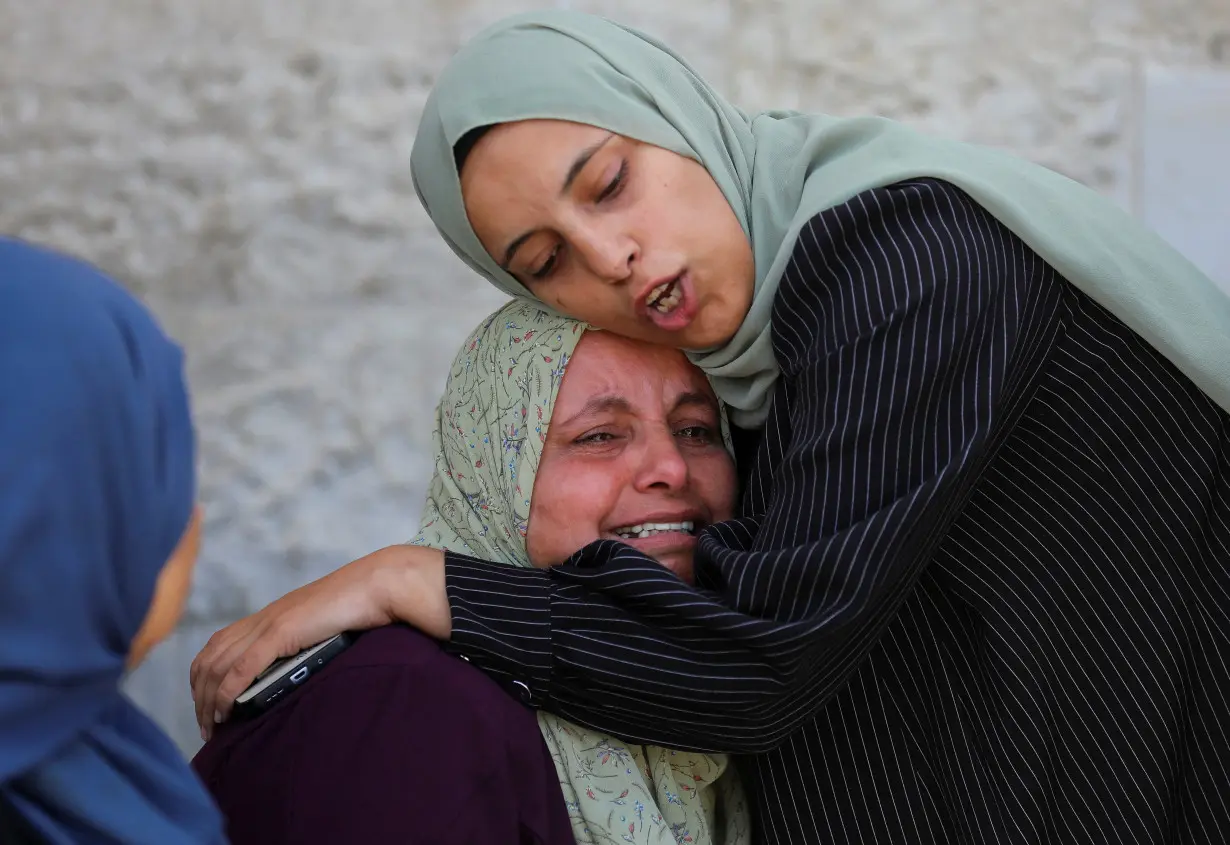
[206,662]
[226,659]
[348,599]
[251,657]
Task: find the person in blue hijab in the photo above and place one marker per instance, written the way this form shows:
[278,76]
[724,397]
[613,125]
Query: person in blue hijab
[98,537]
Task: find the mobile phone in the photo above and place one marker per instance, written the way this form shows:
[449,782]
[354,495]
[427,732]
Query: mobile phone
[284,676]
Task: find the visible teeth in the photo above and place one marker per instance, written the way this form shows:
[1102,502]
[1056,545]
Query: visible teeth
[649,529]
[664,297]
[667,303]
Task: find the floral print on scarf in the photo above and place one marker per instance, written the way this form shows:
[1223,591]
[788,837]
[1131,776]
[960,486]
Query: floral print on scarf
[491,426]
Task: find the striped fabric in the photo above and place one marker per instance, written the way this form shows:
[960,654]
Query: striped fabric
[981,592]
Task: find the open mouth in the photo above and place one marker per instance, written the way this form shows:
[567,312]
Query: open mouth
[666,297]
[671,305]
[649,529]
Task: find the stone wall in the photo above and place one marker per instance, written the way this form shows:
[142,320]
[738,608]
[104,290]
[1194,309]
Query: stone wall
[243,165]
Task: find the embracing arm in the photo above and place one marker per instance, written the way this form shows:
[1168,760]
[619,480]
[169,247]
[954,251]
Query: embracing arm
[908,326]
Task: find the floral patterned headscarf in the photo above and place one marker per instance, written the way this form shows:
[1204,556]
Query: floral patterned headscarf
[491,426]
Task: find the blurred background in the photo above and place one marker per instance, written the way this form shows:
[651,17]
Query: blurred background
[243,165]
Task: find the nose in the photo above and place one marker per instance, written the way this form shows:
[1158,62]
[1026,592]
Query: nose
[610,253]
[663,466]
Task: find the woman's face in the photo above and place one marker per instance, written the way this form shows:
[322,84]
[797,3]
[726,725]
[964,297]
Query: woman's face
[634,444]
[623,235]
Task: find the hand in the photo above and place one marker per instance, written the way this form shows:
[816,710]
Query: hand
[398,583]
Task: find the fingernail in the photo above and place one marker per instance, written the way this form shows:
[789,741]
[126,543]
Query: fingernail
[217,717]
[204,736]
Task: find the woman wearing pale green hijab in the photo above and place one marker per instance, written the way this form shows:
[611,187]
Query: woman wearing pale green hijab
[979,591]
[491,427]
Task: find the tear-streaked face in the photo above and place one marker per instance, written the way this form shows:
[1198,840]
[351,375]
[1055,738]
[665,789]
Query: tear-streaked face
[634,452]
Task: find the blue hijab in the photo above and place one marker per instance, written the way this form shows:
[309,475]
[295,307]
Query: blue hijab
[97,484]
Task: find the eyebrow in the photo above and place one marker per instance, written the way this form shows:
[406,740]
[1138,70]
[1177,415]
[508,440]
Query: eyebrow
[693,399]
[574,170]
[618,404]
[601,404]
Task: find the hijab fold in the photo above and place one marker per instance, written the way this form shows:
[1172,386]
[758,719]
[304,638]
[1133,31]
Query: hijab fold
[97,485]
[778,169]
[491,426]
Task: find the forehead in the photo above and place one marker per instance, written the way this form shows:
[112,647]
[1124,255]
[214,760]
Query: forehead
[525,143]
[515,164]
[646,375]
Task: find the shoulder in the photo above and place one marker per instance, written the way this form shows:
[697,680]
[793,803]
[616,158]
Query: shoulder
[899,230]
[904,211]
[409,665]
[879,257]
[394,741]
[375,714]
[394,686]
[388,647]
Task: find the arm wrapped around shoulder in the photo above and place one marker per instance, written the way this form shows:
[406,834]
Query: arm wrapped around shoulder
[907,326]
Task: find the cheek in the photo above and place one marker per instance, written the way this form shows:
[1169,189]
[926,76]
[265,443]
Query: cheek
[539,527]
[579,296]
[718,484]
[712,224]
[581,299]
[603,306]
[569,505]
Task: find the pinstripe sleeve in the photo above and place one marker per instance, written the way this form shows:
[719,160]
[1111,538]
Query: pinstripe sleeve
[908,326]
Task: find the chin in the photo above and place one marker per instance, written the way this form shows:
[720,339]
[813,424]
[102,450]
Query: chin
[713,329]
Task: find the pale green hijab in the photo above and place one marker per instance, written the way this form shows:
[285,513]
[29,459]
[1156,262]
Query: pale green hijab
[779,169]
[491,425]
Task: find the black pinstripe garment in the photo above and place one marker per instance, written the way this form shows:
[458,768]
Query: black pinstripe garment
[982,591]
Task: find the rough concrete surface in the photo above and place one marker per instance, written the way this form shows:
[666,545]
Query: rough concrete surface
[243,165]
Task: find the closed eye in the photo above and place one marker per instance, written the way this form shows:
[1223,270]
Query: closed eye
[617,182]
[547,266]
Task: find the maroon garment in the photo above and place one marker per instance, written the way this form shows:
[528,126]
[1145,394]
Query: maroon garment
[394,741]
